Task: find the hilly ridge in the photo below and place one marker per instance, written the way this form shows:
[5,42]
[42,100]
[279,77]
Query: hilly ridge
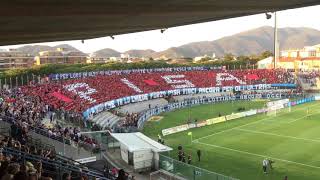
[249,42]
[35,49]
[245,43]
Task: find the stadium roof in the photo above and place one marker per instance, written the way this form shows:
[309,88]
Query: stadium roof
[138,141]
[34,21]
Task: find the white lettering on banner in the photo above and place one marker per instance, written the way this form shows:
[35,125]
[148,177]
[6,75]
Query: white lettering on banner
[279,102]
[131,85]
[176,129]
[177,82]
[227,77]
[273,96]
[237,88]
[82,94]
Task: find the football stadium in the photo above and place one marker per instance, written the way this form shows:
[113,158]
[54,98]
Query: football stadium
[199,122]
[66,117]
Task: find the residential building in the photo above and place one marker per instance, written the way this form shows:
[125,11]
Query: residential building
[306,58]
[61,56]
[15,59]
[98,60]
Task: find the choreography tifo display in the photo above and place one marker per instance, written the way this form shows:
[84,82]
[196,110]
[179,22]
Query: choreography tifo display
[88,96]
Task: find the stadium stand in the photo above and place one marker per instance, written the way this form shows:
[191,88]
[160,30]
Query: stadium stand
[26,113]
[21,159]
[73,95]
[106,120]
[27,107]
[309,80]
[142,106]
[67,99]
[186,97]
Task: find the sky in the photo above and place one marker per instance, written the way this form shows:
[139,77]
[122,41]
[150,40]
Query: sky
[177,36]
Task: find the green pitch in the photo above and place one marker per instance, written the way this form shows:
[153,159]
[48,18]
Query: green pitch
[236,148]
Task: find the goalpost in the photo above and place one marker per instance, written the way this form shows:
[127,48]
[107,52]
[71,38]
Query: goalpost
[274,106]
[272,111]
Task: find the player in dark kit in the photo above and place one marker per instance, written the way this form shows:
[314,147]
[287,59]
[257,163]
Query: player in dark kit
[183,157]
[270,162]
[189,159]
[199,154]
[180,155]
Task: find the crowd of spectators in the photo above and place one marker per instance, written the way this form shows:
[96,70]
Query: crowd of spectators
[99,89]
[17,167]
[20,160]
[310,77]
[27,112]
[28,105]
[131,119]
[41,164]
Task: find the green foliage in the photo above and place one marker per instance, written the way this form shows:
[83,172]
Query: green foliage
[229,57]
[266,54]
[228,61]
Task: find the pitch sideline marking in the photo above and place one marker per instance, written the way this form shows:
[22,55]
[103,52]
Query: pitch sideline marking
[227,130]
[303,117]
[279,135]
[260,155]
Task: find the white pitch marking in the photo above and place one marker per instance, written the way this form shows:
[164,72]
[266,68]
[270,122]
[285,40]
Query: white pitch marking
[303,117]
[227,130]
[279,135]
[260,155]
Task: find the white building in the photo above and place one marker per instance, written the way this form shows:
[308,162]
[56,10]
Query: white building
[306,52]
[125,56]
[199,58]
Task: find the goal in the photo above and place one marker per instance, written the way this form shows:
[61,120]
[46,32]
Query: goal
[272,111]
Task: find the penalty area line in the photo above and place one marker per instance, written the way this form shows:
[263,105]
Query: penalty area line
[278,135]
[258,155]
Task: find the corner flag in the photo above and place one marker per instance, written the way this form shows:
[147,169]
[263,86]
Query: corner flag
[190,134]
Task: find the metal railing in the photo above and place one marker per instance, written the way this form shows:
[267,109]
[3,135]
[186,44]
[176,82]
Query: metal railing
[60,166]
[188,171]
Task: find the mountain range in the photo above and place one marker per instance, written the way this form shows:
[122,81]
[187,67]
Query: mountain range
[249,42]
[35,49]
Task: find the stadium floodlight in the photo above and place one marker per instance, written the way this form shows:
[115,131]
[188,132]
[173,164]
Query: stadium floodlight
[275,39]
[112,37]
[163,30]
[268,15]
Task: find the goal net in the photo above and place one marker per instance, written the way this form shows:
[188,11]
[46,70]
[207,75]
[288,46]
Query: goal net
[274,107]
[272,111]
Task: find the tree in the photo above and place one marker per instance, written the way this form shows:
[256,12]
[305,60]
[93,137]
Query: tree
[243,58]
[229,57]
[266,54]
